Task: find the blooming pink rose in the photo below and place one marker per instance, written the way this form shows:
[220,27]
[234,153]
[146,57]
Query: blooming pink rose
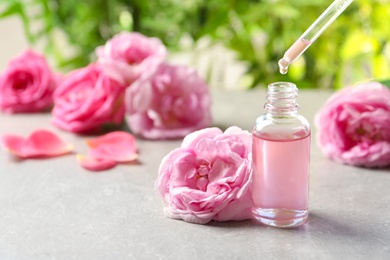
[87,99]
[208,177]
[128,55]
[27,84]
[171,103]
[354,126]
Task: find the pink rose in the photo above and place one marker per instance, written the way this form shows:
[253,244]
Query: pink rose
[171,103]
[27,84]
[86,100]
[128,55]
[208,177]
[354,126]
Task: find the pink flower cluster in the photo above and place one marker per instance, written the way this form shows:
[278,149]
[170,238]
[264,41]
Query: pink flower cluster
[354,126]
[129,80]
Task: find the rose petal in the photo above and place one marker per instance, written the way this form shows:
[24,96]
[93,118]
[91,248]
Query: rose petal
[40,143]
[93,164]
[47,143]
[117,146]
[13,143]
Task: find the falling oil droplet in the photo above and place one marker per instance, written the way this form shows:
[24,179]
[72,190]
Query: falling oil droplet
[283,66]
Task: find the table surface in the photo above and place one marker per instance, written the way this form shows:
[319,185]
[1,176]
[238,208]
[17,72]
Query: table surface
[54,209]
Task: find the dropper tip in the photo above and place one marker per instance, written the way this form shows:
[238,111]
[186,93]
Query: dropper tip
[283,66]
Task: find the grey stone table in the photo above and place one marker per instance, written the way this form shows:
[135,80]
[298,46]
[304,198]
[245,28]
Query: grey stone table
[54,209]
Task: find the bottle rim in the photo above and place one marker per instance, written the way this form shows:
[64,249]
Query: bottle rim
[283,86]
[281,98]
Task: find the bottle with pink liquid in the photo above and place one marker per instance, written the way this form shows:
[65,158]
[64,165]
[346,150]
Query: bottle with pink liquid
[281,160]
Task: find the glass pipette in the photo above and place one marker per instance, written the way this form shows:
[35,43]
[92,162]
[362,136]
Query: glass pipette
[312,33]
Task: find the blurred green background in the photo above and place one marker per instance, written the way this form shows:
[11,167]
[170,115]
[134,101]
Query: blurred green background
[353,49]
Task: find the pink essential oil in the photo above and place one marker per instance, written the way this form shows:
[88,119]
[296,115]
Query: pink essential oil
[281,160]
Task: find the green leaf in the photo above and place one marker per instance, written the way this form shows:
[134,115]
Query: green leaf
[17,8]
[354,48]
[385,82]
[12,9]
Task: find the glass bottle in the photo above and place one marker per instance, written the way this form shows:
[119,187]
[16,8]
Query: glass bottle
[281,160]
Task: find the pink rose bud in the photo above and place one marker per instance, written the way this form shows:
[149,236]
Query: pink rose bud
[171,103]
[128,55]
[27,85]
[86,100]
[354,126]
[208,177]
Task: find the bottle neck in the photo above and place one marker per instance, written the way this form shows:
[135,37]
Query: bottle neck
[281,100]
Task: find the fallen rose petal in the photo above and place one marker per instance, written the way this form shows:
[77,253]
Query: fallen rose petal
[40,143]
[47,143]
[12,143]
[93,164]
[117,146]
